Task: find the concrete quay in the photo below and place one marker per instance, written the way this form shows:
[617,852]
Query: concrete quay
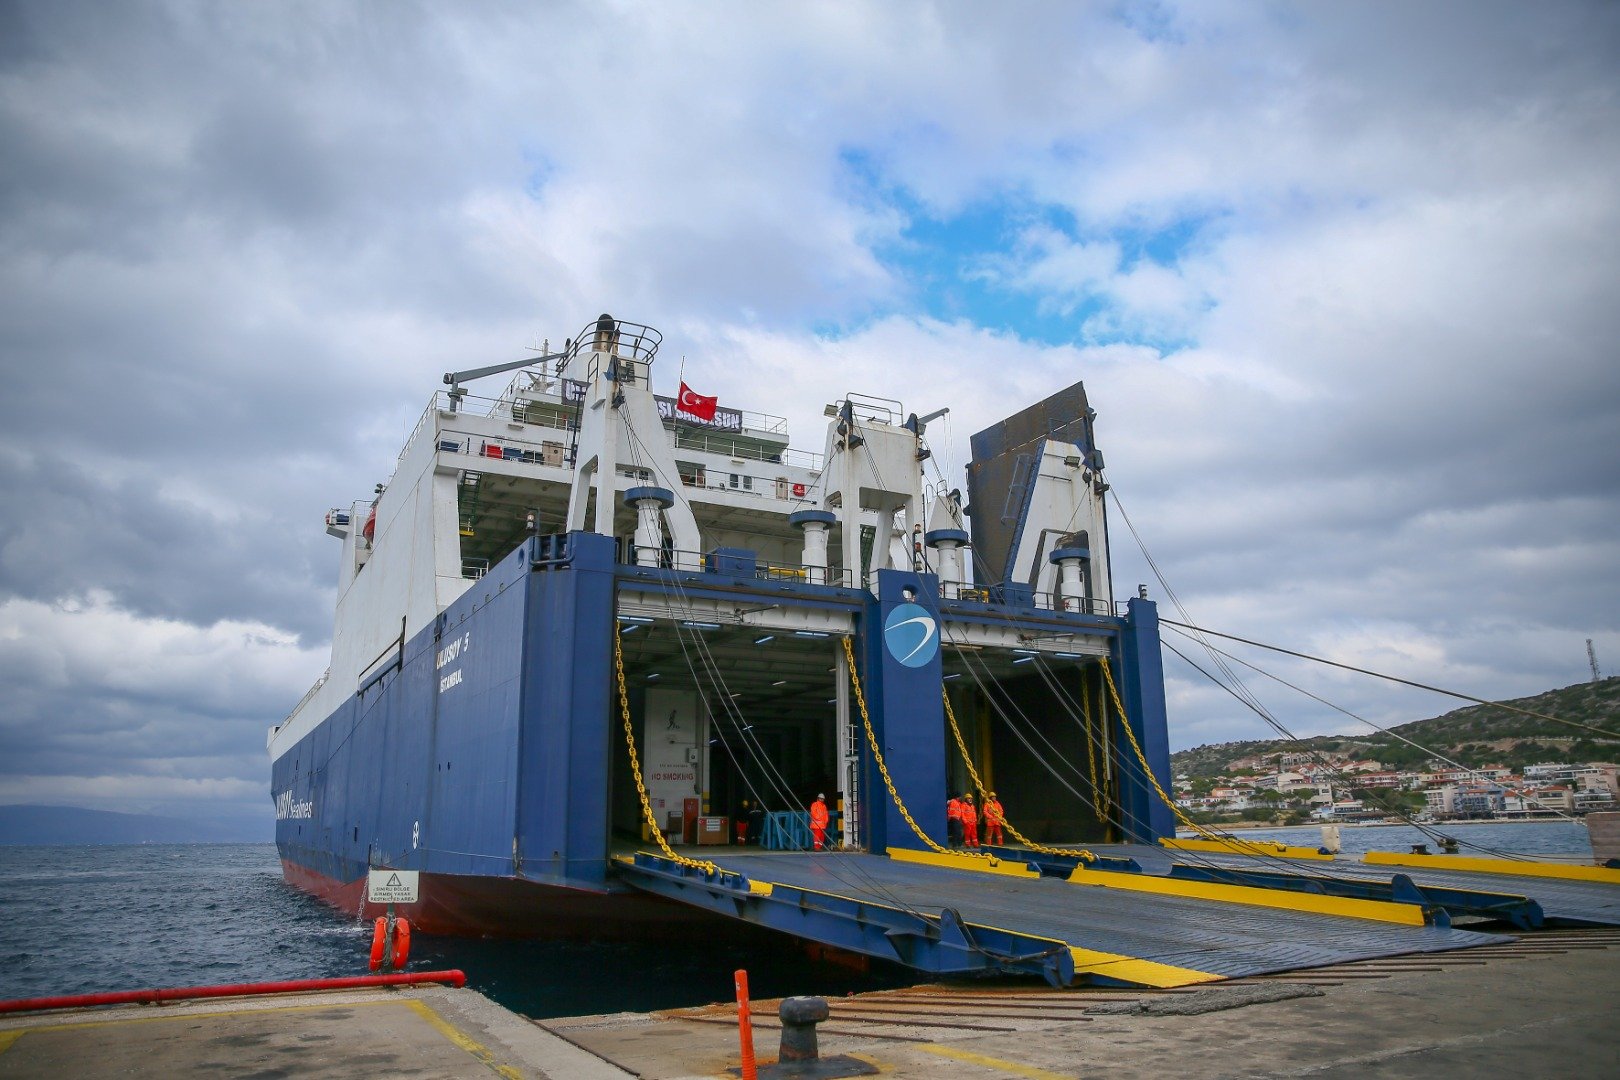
[426,1031]
[1541,1006]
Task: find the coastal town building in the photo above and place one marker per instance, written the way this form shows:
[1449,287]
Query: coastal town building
[1327,786]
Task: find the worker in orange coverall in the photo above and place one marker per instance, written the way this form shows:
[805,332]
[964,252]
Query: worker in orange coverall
[818,821]
[970,823]
[994,815]
[953,822]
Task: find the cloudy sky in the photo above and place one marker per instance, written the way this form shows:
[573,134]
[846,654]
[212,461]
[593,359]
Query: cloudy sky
[1341,280]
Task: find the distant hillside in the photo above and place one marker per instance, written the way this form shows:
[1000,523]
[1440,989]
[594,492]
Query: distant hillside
[1473,736]
[45,825]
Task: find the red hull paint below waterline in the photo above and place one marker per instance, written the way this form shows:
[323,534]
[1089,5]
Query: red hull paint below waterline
[467,906]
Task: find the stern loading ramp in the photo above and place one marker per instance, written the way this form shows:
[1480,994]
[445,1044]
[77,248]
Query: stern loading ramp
[958,915]
[936,914]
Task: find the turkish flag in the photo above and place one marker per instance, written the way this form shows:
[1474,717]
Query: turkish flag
[695,404]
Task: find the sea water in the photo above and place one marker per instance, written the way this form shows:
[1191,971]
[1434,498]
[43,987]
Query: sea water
[1480,839]
[78,920]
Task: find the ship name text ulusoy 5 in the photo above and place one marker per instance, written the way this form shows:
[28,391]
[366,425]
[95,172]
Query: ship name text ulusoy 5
[449,655]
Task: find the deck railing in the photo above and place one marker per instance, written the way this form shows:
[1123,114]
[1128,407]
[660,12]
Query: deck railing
[308,694]
[723,563]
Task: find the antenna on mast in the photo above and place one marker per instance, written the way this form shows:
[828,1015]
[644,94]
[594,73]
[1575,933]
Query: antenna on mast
[1591,658]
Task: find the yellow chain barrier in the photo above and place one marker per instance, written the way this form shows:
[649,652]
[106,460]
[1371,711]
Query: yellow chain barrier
[1097,802]
[1147,769]
[877,756]
[961,745]
[635,768]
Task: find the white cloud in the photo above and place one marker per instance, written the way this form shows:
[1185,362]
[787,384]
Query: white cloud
[91,645]
[1360,399]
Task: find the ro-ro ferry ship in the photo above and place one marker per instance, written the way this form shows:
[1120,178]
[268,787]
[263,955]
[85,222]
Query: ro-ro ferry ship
[581,555]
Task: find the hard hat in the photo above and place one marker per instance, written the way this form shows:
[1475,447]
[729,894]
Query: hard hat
[969,797]
[822,796]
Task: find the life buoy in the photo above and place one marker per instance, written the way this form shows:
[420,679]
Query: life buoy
[402,942]
[379,942]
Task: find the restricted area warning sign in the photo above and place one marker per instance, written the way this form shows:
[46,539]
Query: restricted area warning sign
[392,886]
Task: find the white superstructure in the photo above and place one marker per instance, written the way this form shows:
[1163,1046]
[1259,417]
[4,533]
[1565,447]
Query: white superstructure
[577,431]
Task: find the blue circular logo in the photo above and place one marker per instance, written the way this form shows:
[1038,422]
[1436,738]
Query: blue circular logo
[911,635]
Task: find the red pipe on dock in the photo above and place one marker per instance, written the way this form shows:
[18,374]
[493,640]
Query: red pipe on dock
[185,993]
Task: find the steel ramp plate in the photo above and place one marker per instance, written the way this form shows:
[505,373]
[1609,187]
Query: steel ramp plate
[1218,939]
[1589,903]
[1285,874]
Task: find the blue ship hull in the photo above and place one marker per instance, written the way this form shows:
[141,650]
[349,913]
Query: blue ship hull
[482,751]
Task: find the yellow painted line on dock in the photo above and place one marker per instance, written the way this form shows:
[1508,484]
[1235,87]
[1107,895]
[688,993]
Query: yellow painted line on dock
[1238,846]
[1010,1068]
[1345,907]
[445,1028]
[953,861]
[1606,875]
[9,1037]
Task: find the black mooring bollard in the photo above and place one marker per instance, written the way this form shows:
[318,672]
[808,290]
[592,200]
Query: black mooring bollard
[800,1015]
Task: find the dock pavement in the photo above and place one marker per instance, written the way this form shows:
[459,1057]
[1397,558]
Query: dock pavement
[1541,1006]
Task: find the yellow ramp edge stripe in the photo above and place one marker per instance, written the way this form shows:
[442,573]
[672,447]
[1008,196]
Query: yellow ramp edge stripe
[1238,846]
[1566,871]
[979,863]
[1315,903]
[1141,972]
